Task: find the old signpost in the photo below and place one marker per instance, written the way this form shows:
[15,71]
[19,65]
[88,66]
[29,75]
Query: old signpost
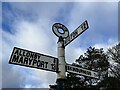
[40,61]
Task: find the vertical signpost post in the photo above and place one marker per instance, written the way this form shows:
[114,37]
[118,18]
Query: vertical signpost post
[61,54]
[61,65]
[64,40]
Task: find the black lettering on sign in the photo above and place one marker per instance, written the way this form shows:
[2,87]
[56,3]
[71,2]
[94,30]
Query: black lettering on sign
[79,70]
[24,53]
[46,63]
[39,63]
[35,56]
[74,34]
[20,52]
[84,26]
[42,64]
[27,54]
[17,52]
[20,60]
[89,73]
[34,62]
[39,57]
[15,58]
[31,55]
[95,74]
[53,66]
[30,60]
[25,60]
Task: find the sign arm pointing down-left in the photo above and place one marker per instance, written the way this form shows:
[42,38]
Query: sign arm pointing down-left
[32,59]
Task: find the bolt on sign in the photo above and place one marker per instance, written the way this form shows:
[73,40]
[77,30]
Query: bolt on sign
[32,59]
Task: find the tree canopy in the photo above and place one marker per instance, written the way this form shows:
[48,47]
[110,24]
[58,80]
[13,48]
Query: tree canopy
[114,57]
[93,59]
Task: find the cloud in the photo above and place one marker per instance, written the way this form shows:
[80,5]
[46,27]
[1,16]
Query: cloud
[105,46]
[41,11]
[72,53]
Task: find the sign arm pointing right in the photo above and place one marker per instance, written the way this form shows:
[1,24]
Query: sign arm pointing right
[83,27]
